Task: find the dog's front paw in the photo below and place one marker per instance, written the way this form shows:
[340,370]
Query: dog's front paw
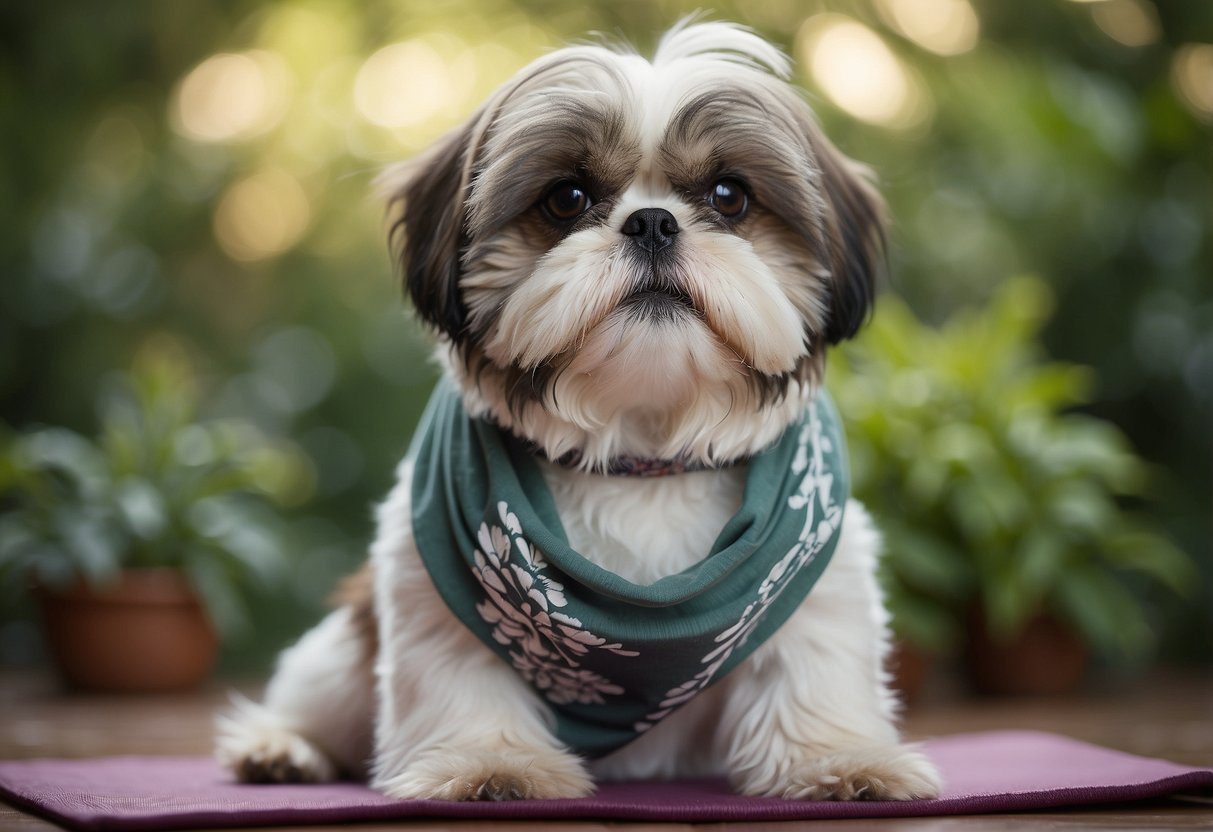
[497,774]
[256,749]
[881,773]
[895,772]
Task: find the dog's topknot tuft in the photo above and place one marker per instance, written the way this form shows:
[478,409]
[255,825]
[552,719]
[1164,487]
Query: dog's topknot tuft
[691,38]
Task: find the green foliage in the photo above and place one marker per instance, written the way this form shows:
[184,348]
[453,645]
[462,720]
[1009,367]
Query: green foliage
[155,488]
[1050,148]
[989,487]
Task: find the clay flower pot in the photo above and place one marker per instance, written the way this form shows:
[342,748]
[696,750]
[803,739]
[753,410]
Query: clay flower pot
[1045,658]
[145,633]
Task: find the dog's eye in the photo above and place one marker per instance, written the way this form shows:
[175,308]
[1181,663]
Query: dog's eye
[566,201]
[729,198]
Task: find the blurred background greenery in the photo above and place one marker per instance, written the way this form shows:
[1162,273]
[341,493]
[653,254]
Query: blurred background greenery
[188,186]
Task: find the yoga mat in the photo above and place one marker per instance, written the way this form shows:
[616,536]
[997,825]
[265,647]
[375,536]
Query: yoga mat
[991,772]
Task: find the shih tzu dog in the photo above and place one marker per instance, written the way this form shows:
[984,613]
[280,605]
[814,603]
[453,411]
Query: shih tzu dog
[634,269]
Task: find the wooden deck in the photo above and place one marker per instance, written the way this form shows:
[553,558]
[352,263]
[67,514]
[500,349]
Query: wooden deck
[1169,717]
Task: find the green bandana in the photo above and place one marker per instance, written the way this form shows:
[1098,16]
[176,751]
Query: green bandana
[613,658]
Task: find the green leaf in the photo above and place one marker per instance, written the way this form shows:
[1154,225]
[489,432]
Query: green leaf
[92,542]
[1153,556]
[926,561]
[222,601]
[1103,610]
[1081,507]
[923,622]
[1040,556]
[142,508]
[1007,603]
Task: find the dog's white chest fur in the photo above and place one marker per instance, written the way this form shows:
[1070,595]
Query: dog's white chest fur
[644,528]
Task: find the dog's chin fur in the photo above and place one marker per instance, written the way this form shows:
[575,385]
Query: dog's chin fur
[566,337]
[638,388]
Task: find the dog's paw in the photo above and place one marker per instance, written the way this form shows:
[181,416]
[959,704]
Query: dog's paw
[498,774]
[256,748]
[895,772]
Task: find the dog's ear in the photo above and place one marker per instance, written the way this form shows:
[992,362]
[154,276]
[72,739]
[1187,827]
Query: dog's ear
[427,199]
[855,221]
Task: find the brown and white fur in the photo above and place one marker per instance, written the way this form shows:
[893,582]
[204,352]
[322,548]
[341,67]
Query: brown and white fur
[703,344]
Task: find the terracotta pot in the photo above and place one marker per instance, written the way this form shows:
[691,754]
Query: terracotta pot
[145,633]
[909,666]
[1047,657]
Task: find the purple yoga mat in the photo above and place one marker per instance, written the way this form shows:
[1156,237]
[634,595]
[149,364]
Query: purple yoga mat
[995,772]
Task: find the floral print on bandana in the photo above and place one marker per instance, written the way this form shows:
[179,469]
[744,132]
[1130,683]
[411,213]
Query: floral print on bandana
[822,518]
[522,604]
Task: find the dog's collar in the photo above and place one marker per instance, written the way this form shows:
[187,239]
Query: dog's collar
[635,466]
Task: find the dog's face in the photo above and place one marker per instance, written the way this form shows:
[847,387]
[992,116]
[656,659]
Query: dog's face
[625,256]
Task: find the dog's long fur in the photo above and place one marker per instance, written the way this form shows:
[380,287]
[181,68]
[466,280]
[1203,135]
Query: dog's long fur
[565,335]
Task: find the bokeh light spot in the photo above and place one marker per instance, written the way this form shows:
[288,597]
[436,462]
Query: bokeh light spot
[1129,22]
[231,96]
[406,84]
[301,361]
[859,73]
[1192,75]
[945,27]
[261,216]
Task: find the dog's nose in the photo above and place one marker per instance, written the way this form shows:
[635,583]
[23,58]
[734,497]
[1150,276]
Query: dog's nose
[653,229]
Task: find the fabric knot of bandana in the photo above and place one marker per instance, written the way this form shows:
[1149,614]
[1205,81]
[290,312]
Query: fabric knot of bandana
[609,657]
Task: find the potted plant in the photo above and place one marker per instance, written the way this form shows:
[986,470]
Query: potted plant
[1006,514]
[139,543]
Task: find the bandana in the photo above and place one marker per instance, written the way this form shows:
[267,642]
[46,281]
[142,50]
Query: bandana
[612,658]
